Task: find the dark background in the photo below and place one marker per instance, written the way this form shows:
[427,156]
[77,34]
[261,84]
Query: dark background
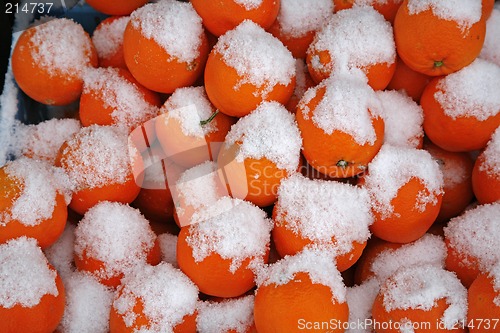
[6,21]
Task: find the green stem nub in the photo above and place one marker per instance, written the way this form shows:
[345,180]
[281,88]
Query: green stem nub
[342,164]
[209,120]
[438,64]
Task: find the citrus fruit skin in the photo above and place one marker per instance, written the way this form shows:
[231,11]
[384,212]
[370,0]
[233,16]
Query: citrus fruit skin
[326,152]
[221,16]
[483,311]
[220,80]
[407,224]
[459,134]
[282,308]
[486,186]
[45,85]
[155,68]
[434,315]
[123,7]
[434,46]
[213,275]
[41,318]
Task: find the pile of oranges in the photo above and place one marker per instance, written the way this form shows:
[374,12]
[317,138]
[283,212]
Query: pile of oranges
[257,166]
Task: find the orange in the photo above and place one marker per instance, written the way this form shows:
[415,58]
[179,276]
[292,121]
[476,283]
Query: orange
[401,301]
[295,296]
[484,309]
[374,247]
[387,8]
[100,163]
[409,227]
[44,67]
[459,112]
[486,173]
[108,247]
[260,150]
[158,298]
[218,249]
[190,129]
[370,47]
[465,266]
[24,212]
[221,16]
[123,7]
[297,23]
[313,213]
[291,243]
[405,78]
[248,66]
[457,171]
[111,96]
[487,8]
[407,204]
[152,50]
[434,38]
[37,302]
[108,41]
[469,238]
[339,146]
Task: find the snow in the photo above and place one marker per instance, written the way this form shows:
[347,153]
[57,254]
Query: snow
[324,210]
[476,233]
[174,25]
[62,47]
[190,106]
[257,56]
[271,132]
[39,187]
[355,38]
[360,301]
[233,228]
[348,106]
[166,293]
[42,141]
[60,254]
[317,262]
[108,36]
[88,304]
[491,156]
[25,276]
[428,250]
[471,92]
[298,17]
[393,167]
[96,156]
[419,287]
[464,12]
[249,4]
[117,235]
[122,97]
[403,119]
[491,46]
[168,247]
[235,315]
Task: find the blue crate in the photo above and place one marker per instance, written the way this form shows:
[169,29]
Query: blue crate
[16,105]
